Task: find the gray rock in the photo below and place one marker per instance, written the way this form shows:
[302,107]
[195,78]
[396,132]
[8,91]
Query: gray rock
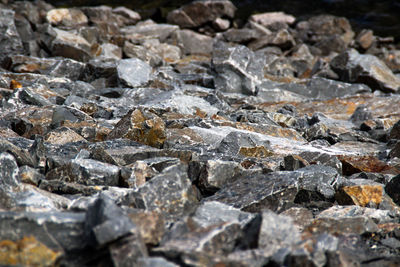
[278,189]
[87,172]
[127,251]
[70,45]
[192,43]
[67,17]
[232,142]
[322,159]
[155,262]
[60,231]
[395,131]
[128,16]
[169,192]
[368,69]
[238,69]
[159,31]
[277,232]
[11,43]
[106,222]
[393,190]
[240,35]
[22,156]
[133,72]
[199,12]
[9,171]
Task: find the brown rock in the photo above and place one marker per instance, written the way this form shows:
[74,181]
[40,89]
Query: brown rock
[142,126]
[355,164]
[360,195]
[269,18]
[255,152]
[63,135]
[150,224]
[27,252]
[66,17]
[365,39]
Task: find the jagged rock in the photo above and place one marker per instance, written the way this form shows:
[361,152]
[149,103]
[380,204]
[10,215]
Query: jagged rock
[87,172]
[127,251]
[348,225]
[361,195]
[126,15]
[150,225]
[66,17]
[282,39]
[30,175]
[240,35]
[11,43]
[70,45]
[192,43]
[108,50]
[365,39]
[395,131]
[169,193]
[140,69]
[62,135]
[22,156]
[392,189]
[277,190]
[368,69]
[141,126]
[276,232]
[9,171]
[234,142]
[60,231]
[27,251]
[238,69]
[326,32]
[355,164]
[301,216]
[159,31]
[199,12]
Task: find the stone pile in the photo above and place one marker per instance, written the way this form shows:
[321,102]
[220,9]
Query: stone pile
[201,142]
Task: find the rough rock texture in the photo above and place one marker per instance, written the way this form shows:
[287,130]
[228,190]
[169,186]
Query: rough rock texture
[218,141]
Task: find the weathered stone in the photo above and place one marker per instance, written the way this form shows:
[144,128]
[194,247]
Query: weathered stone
[66,17]
[106,222]
[127,251]
[169,193]
[30,175]
[27,251]
[108,50]
[350,225]
[368,69]
[395,131]
[62,135]
[240,35]
[160,31]
[70,45]
[60,231]
[141,72]
[278,189]
[238,69]
[10,40]
[87,172]
[355,164]
[393,190]
[365,39]
[141,126]
[277,231]
[199,12]
[126,15]
[192,43]
[361,195]
[301,216]
[266,19]
[282,39]
[294,162]
[22,156]
[150,225]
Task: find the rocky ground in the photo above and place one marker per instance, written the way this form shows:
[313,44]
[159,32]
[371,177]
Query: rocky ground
[197,142]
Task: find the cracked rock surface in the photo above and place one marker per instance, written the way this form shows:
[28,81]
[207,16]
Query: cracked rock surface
[199,141]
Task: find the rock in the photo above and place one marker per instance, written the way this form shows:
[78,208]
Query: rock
[87,172]
[169,193]
[353,225]
[63,135]
[221,24]
[27,251]
[108,50]
[238,69]
[192,43]
[392,189]
[282,39]
[160,31]
[66,17]
[269,18]
[155,262]
[240,36]
[141,126]
[368,69]
[150,225]
[301,217]
[30,175]
[127,250]
[9,171]
[276,232]
[361,195]
[11,43]
[395,131]
[141,70]
[365,39]
[354,164]
[70,45]
[128,16]
[59,231]
[199,12]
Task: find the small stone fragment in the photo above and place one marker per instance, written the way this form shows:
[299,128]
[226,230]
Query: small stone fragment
[133,72]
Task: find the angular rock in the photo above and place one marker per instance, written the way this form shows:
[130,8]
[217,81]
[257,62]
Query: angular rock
[365,39]
[238,69]
[87,172]
[10,41]
[133,72]
[361,195]
[127,251]
[150,224]
[141,126]
[160,31]
[368,69]
[70,45]
[169,193]
[27,252]
[277,232]
[155,262]
[199,12]
[66,17]
[392,188]
[62,135]
[9,171]
[395,131]
[355,164]
[192,43]
[126,15]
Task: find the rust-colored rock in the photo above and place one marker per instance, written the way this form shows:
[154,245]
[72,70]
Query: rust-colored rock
[255,152]
[360,195]
[355,164]
[27,252]
[142,126]
[151,225]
